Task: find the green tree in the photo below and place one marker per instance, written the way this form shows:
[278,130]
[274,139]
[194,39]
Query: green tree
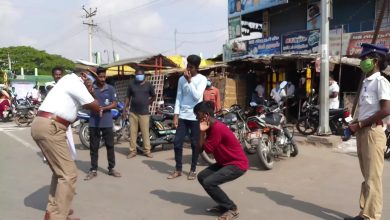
[30,58]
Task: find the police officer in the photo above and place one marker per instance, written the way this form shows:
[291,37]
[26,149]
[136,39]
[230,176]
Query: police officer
[374,106]
[48,129]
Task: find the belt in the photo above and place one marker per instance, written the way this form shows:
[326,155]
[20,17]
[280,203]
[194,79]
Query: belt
[53,117]
[378,123]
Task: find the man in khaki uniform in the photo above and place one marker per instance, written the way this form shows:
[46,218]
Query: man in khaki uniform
[48,130]
[374,106]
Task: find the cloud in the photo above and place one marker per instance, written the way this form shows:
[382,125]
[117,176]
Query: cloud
[9,17]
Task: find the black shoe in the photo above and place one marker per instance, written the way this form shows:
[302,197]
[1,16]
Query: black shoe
[354,218]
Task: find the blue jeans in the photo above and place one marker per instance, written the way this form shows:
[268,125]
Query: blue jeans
[181,131]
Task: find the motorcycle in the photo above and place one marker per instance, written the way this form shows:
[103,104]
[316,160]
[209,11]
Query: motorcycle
[161,129]
[269,131]
[120,125]
[24,112]
[308,123]
[387,152]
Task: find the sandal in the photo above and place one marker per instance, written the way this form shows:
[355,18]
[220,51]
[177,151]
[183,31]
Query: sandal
[174,175]
[216,209]
[191,175]
[229,215]
[91,174]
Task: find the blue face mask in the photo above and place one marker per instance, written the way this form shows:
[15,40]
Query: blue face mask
[140,78]
[208,83]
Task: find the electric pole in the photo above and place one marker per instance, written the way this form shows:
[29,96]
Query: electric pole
[88,15]
[324,75]
[175,42]
[9,63]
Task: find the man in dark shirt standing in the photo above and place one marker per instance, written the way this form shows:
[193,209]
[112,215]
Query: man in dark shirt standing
[101,123]
[140,94]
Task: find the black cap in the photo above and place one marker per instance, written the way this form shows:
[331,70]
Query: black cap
[373,48]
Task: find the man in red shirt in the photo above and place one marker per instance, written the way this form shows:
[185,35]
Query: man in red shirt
[212,94]
[231,162]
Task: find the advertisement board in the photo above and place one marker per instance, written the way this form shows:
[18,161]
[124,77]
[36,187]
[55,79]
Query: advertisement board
[264,46]
[302,42]
[234,25]
[354,46]
[338,40]
[313,15]
[240,7]
[234,50]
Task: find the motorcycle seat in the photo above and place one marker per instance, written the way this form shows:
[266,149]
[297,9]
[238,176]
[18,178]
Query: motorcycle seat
[157,117]
[336,111]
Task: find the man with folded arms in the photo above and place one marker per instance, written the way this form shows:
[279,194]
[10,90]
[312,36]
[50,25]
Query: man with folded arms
[48,130]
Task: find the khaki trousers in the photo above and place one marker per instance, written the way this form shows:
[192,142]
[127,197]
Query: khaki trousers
[50,136]
[142,122]
[371,143]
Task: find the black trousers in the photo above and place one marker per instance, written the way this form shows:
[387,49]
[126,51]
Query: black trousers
[215,175]
[181,132]
[95,134]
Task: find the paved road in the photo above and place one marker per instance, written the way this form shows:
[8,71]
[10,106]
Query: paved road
[321,183]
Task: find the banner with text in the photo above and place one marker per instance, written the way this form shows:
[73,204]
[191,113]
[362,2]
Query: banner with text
[302,42]
[239,7]
[264,46]
[354,46]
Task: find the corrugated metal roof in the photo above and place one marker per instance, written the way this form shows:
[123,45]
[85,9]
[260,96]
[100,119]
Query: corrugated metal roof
[148,60]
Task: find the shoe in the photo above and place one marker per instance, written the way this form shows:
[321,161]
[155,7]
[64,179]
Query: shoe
[191,175]
[131,155]
[228,215]
[114,173]
[149,155]
[216,209]
[354,218]
[91,174]
[174,175]
[47,216]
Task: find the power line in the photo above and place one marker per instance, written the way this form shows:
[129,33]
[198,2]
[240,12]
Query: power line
[203,32]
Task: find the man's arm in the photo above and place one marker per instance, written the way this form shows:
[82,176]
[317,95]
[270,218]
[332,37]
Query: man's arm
[333,95]
[152,94]
[177,104]
[382,113]
[218,100]
[202,139]
[196,91]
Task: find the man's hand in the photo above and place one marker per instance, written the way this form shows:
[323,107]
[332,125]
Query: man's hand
[354,127]
[176,121]
[204,125]
[188,76]
[124,113]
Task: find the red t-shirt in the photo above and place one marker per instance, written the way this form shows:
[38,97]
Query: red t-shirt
[221,142]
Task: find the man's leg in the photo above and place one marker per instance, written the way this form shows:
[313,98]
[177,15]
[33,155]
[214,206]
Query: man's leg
[108,137]
[373,159]
[133,133]
[360,136]
[144,126]
[222,175]
[181,132]
[50,137]
[195,132]
[94,144]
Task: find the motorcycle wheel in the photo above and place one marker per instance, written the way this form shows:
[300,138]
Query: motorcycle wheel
[208,158]
[246,145]
[294,150]
[18,121]
[140,142]
[387,152]
[264,152]
[84,136]
[307,126]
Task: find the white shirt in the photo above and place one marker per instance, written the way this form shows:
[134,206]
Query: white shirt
[374,89]
[260,90]
[290,90]
[188,95]
[278,95]
[334,103]
[66,97]
[35,94]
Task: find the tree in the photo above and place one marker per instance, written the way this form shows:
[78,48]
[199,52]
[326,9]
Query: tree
[30,58]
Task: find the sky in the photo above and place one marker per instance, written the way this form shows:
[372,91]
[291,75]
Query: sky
[131,28]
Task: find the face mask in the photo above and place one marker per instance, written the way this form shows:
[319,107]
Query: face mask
[208,83]
[140,78]
[367,65]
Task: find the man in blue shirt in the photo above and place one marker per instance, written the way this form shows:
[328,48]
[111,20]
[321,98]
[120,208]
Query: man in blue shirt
[190,91]
[100,124]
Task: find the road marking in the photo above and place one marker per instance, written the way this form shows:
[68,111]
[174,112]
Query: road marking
[24,143]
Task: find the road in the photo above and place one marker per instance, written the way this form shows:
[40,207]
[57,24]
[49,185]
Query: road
[320,183]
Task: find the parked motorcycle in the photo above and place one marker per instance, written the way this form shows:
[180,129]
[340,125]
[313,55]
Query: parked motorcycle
[120,125]
[269,131]
[387,152]
[308,123]
[24,112]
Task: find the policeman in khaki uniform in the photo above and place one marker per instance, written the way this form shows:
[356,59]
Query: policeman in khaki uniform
[374,107]
[57,112]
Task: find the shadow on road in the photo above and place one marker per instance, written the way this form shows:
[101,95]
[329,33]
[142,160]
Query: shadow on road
[38,199]
[197,204]
[159,166]
[86,165]
[289,201]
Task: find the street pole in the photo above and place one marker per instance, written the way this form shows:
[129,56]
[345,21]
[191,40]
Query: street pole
[323,129]
[175,42]
[9,63]
[88,15]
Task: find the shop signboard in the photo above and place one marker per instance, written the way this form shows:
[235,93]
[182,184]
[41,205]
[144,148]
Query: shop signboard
[302,42]
[354,46]
[234,27]
[240,7]
[338,40]
[234,50]
[313,14]
[264,46]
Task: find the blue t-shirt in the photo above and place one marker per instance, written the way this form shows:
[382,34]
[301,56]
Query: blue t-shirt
[105,96]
